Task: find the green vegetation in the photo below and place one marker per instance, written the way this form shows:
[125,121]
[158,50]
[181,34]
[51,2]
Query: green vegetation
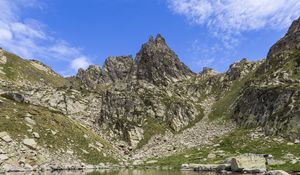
[69,135]
[151,128]
[235,143]
[17,69]
[222,107]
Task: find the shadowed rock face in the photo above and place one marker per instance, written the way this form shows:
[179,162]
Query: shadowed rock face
[158,64]
[272,99]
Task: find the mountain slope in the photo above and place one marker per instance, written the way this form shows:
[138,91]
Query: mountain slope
[20,71]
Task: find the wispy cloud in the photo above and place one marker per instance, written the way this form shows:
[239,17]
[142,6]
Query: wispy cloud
[80,62]
[29,38]
[227,21]
[235,16]
[208,55]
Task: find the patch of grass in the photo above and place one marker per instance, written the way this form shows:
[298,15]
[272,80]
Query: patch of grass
[17,69]
[70,135]
[152,127]
[222,107]
[236,143]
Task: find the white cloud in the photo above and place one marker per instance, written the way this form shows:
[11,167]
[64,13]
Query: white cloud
[227,20]
[235,16]
[81,62]
[29,38]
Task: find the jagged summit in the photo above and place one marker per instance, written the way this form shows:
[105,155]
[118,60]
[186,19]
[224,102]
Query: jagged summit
[158,39]
[155,63]
[158,64]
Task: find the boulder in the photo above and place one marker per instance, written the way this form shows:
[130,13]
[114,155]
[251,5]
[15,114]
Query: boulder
[14,96]
[276,172]
[5,137]
[30,143]
[36,135]
[250,163]
[30,121]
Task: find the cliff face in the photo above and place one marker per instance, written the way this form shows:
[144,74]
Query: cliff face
[271,98]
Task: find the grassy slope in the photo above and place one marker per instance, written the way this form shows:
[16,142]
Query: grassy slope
[17,69]
[70,134]
[238,142]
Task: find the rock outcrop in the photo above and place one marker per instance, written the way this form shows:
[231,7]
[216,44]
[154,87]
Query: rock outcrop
[158,64]
[271,97]
[114,69]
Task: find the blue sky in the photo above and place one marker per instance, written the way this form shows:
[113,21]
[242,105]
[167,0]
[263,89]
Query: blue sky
[68,34]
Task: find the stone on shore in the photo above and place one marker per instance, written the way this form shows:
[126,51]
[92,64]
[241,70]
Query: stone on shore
[249,163]
[277,172]
[206,167]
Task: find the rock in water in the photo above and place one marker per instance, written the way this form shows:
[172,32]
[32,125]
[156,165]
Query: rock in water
[250,163]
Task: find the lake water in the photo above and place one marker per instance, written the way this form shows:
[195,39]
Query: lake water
[120,172]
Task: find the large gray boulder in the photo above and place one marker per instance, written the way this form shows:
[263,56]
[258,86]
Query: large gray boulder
[250,163]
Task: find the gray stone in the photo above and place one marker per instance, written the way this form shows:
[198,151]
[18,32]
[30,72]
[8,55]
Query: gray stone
[30,143]
[3,158]
[30,121]
[4,136]
[14,96]
[250,163]
[36,135]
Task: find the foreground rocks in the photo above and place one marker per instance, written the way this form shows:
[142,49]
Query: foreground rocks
[249,163]
[246,163]
[277,172]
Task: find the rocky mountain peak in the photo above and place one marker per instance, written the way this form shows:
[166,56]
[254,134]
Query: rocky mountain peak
[290,42]
[158,64]
[295,27]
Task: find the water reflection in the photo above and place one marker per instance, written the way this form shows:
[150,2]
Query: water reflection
[117,172]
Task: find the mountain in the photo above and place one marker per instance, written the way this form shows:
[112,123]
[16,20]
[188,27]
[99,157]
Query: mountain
[151,107]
